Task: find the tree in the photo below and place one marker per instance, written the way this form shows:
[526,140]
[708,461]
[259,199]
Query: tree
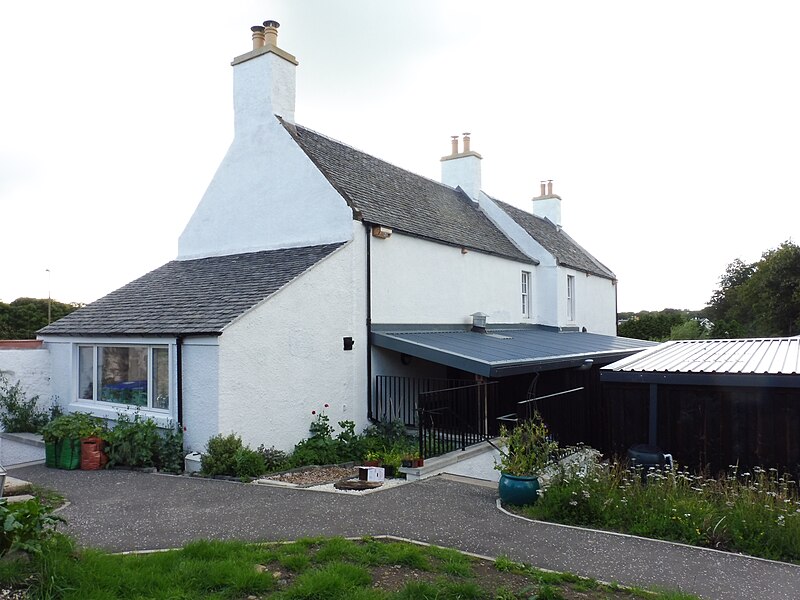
[658,326]
[688,330]
[22,318]
[760,299]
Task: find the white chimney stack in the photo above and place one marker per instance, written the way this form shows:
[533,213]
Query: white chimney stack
[463,169]
[547,205]
[264,81]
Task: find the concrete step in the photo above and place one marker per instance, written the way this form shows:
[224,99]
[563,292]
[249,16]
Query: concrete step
[16,499]
[29,439]
[15,487]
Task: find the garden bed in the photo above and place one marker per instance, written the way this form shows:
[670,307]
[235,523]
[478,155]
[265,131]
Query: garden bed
[324,478]
[755,512]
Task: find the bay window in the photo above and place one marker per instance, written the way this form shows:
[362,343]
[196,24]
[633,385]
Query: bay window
[136,376]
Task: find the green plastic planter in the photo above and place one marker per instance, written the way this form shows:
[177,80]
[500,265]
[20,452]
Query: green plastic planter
[68,454]
[50,455]
[518,490]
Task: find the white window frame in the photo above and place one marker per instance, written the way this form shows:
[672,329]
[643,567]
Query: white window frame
[525,292]
[120,406]
[570,298]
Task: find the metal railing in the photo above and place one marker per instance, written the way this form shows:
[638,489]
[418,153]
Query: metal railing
[454,418]
[396,398]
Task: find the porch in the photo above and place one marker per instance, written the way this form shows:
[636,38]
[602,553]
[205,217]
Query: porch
[456,387]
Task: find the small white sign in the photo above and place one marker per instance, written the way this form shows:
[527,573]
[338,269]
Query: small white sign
[370,473]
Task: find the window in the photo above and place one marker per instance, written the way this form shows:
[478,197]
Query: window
[526,296]
[130,375]
[570,298]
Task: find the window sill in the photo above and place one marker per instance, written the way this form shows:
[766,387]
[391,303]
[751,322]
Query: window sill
[162,418]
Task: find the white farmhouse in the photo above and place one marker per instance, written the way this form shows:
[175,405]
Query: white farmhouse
[314,274]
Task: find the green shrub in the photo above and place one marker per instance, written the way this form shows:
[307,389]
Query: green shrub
[169,452]
[74,426]
[133,442]
[249,463]
[274,459]
[26,526]
[528,448]
[220,455]
[139,442]
[18,413]
[322,448]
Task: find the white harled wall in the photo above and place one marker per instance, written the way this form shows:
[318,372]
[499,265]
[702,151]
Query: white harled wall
[200,389]
[31,367]
[417,281]
[266,194]
[595,302]
[285,358]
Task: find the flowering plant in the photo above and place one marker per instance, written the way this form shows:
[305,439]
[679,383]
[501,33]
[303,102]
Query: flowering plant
[528,448]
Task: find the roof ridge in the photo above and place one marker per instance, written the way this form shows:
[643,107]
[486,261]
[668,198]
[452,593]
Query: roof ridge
[380,192]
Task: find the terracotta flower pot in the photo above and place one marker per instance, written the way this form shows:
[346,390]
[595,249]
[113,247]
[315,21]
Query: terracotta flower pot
[93,458]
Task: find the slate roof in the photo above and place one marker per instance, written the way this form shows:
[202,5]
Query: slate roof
[199,296]
[384,194]
[555,240]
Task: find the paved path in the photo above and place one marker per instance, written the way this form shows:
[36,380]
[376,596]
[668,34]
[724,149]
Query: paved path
[121,510]
[17,448]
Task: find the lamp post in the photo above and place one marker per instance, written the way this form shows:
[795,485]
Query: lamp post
[48,297]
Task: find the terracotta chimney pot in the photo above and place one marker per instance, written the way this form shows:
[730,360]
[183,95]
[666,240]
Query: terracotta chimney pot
[466,142]
[271,33]
[549,187]
[542,188]
[454,142]
[258,36]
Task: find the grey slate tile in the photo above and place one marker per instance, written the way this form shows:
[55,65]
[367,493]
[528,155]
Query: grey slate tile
[556,241]
[387,195]
[191,296]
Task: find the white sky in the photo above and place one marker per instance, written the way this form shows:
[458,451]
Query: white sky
[671,130]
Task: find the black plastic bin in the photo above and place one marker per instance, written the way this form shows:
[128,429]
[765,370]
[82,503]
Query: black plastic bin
[645,456]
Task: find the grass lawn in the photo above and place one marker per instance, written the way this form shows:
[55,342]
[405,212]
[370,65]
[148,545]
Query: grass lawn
[330,568]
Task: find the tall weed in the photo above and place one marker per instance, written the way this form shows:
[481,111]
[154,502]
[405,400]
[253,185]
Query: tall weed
[756,513]
[18,413]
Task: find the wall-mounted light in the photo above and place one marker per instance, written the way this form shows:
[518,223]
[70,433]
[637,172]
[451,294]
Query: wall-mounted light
[348,343]
[381,232]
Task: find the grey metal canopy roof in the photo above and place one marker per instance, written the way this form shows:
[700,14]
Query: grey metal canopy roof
[504,350]
[768,362]
[185,297]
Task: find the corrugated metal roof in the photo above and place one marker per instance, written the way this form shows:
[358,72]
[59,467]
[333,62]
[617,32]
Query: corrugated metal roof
[767,356]
[507,351]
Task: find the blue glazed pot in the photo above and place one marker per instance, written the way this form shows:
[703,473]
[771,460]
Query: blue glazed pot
[518,490]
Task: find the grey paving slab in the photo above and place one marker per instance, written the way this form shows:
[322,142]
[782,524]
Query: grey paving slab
[19,448]
[120,510]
